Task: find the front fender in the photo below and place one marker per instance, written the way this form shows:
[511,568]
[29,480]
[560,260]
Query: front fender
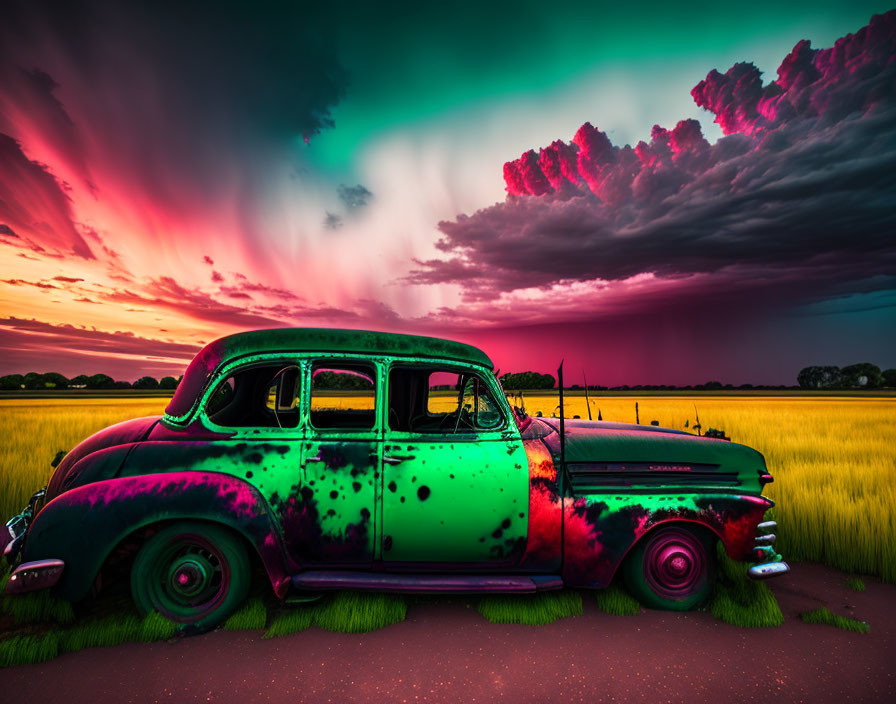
[83,525]
[600,530]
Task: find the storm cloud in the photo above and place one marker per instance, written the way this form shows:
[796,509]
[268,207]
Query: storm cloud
[191,100]
[802,183]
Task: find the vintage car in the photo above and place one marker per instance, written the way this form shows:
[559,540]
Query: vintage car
[343,459]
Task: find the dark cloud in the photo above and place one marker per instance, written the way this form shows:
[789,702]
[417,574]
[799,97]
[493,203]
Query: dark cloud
[34,345]
[36,284]
[34,206]
[267,290]
[332,221]
[7,230]
[803,184]
[216,277]
[166,293]
[167,84]
[354,196]
[208,260]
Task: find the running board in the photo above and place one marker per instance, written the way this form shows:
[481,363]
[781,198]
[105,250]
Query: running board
[425,583]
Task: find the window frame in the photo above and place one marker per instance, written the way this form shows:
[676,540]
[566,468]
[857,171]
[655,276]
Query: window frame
[376,365]
[253,431]
[485,377]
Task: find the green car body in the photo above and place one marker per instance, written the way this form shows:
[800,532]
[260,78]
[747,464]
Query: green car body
[380,490]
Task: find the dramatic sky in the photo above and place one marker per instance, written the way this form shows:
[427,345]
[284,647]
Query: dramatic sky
[657,193]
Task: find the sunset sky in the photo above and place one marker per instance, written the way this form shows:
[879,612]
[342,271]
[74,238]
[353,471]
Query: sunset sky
[169,174]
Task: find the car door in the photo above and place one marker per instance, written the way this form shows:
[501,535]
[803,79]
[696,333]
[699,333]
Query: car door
[340,463]
[455,483]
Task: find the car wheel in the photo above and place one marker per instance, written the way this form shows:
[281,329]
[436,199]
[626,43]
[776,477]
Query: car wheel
[194,574]
[671,569]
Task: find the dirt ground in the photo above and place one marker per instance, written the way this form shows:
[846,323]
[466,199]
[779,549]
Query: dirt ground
[448,652]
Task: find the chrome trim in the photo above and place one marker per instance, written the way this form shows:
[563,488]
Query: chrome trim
[30,576]
[768,570]
[767,526]
[767,539]
[12,547]
[17,525]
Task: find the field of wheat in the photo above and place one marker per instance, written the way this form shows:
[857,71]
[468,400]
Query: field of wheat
[833,458]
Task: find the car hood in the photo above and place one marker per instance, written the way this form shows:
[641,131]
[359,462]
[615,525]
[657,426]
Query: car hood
[123,433]
[619,443]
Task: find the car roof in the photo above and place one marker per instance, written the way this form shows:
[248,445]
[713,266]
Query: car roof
[327,340]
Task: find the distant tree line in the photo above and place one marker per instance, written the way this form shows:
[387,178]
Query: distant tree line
[56,381]
[336,381]
[856,376]
[527,380]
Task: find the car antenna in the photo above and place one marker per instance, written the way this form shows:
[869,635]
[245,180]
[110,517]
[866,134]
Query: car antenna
[587,401]
[697,425]
[562,424]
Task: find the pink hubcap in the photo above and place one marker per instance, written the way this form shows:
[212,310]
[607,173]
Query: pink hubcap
[674,564]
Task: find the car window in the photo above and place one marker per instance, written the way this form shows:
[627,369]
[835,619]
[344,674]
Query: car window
[441,401]
[260,396]
[343,396]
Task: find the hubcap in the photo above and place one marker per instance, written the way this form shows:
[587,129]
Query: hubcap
[191,579]
[674,564]
[189,576]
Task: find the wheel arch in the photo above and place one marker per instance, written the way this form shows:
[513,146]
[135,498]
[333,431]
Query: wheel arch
[110,513]
[701,529]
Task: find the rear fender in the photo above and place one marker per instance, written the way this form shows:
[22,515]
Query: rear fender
[83,525]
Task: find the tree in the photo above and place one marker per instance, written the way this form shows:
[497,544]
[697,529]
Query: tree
[167,382]
[863,375]
[78,381]
[121,385]
[526,380]
[54,380]
[33,380]
[889,377]
[820,378]
[146,382]
[100,381]
[11,381]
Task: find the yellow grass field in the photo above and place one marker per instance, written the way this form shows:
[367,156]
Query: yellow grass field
[833,458]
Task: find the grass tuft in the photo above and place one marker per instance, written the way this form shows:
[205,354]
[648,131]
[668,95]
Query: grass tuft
[292,620]
[96,633]
[28,649]
[155,627]
[531,609]
[616,601]
[360,612]
[856,584]
[38,607]
[345,612]
[826,616]
[739,600]
[250,617]
[99,632]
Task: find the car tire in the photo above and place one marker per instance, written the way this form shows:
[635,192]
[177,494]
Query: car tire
[671,569]
[192,573]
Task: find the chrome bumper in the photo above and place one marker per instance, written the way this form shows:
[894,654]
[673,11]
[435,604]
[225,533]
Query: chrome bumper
[768,570]
[771,564]
[31,576]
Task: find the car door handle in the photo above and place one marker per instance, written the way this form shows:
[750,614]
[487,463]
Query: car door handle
[396,460]
[318,458]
